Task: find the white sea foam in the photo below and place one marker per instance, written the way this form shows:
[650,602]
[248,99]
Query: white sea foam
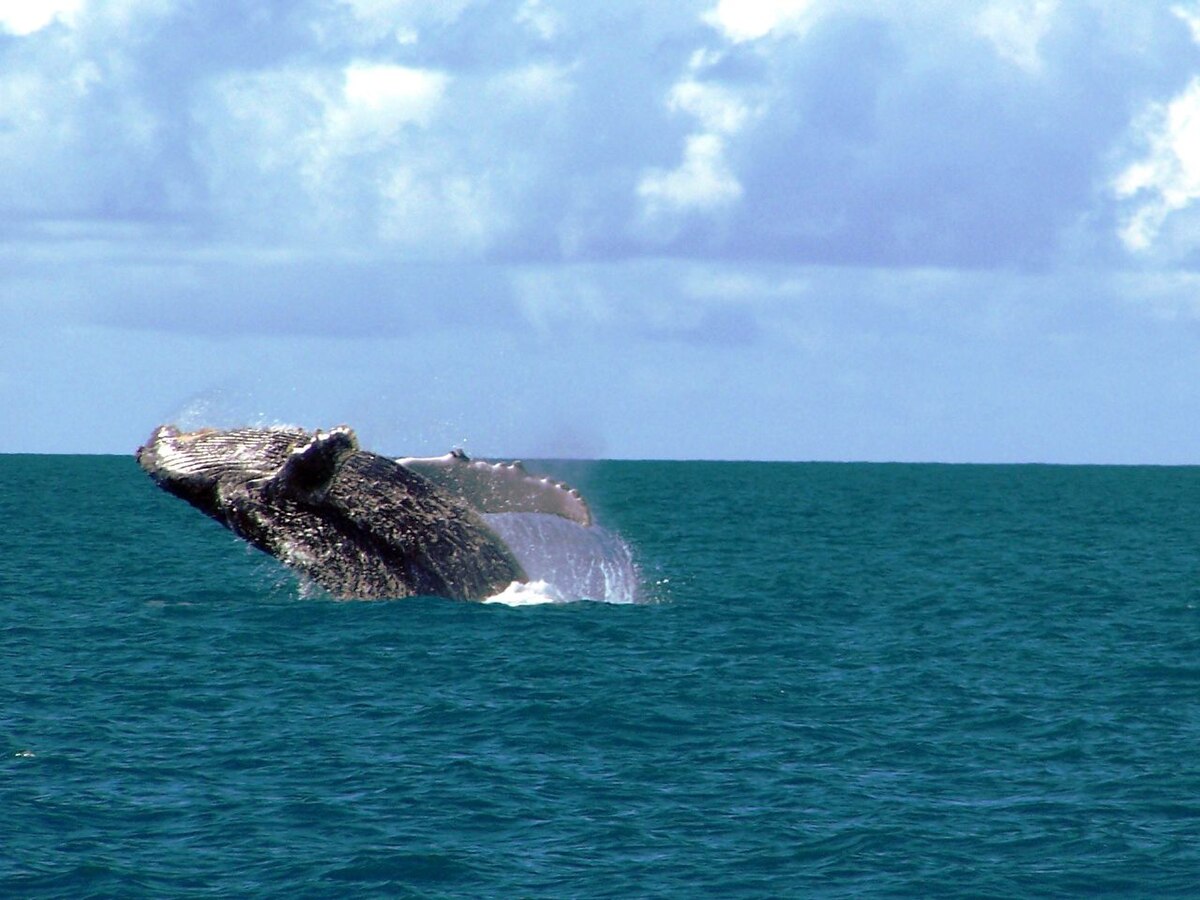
[528,593]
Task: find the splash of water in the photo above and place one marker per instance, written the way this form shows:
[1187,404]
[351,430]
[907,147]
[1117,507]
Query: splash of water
[565,561]
[527,593]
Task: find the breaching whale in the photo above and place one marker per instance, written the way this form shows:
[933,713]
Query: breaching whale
[359,524]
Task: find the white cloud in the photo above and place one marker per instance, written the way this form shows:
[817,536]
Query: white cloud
[747,20]
[378,99]
[543,22]
[1167,180]
[265,120]
[717,108]
[1191,17]
[24,17]
[703,181]
[72,138]
[346,153]
[1016,29]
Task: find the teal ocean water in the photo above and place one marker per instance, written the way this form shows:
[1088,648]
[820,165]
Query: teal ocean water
[846,681]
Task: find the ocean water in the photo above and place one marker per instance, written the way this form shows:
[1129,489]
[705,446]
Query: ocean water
[841,681]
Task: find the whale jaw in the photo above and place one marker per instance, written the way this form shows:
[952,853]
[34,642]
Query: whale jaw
[358,524]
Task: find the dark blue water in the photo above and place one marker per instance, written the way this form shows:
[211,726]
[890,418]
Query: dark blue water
[854,680]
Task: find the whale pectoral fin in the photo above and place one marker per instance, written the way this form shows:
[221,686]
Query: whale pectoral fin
[500,487]
[310,467]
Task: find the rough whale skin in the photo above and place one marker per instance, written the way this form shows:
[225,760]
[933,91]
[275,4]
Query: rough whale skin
[358,524]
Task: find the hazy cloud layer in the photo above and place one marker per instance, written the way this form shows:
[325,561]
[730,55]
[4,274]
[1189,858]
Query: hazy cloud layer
[762,198]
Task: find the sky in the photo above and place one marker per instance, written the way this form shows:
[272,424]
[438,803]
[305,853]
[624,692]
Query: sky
[724,229]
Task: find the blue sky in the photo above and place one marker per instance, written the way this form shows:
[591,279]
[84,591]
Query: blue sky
[768,229]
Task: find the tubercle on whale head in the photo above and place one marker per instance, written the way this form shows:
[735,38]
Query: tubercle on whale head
[161,459]
[161,433]
[194,464]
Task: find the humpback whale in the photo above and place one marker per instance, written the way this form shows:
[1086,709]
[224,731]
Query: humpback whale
[359,524]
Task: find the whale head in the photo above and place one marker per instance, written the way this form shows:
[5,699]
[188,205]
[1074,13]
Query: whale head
[195,465]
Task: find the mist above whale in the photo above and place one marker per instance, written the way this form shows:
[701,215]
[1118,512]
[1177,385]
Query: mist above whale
[364,525]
